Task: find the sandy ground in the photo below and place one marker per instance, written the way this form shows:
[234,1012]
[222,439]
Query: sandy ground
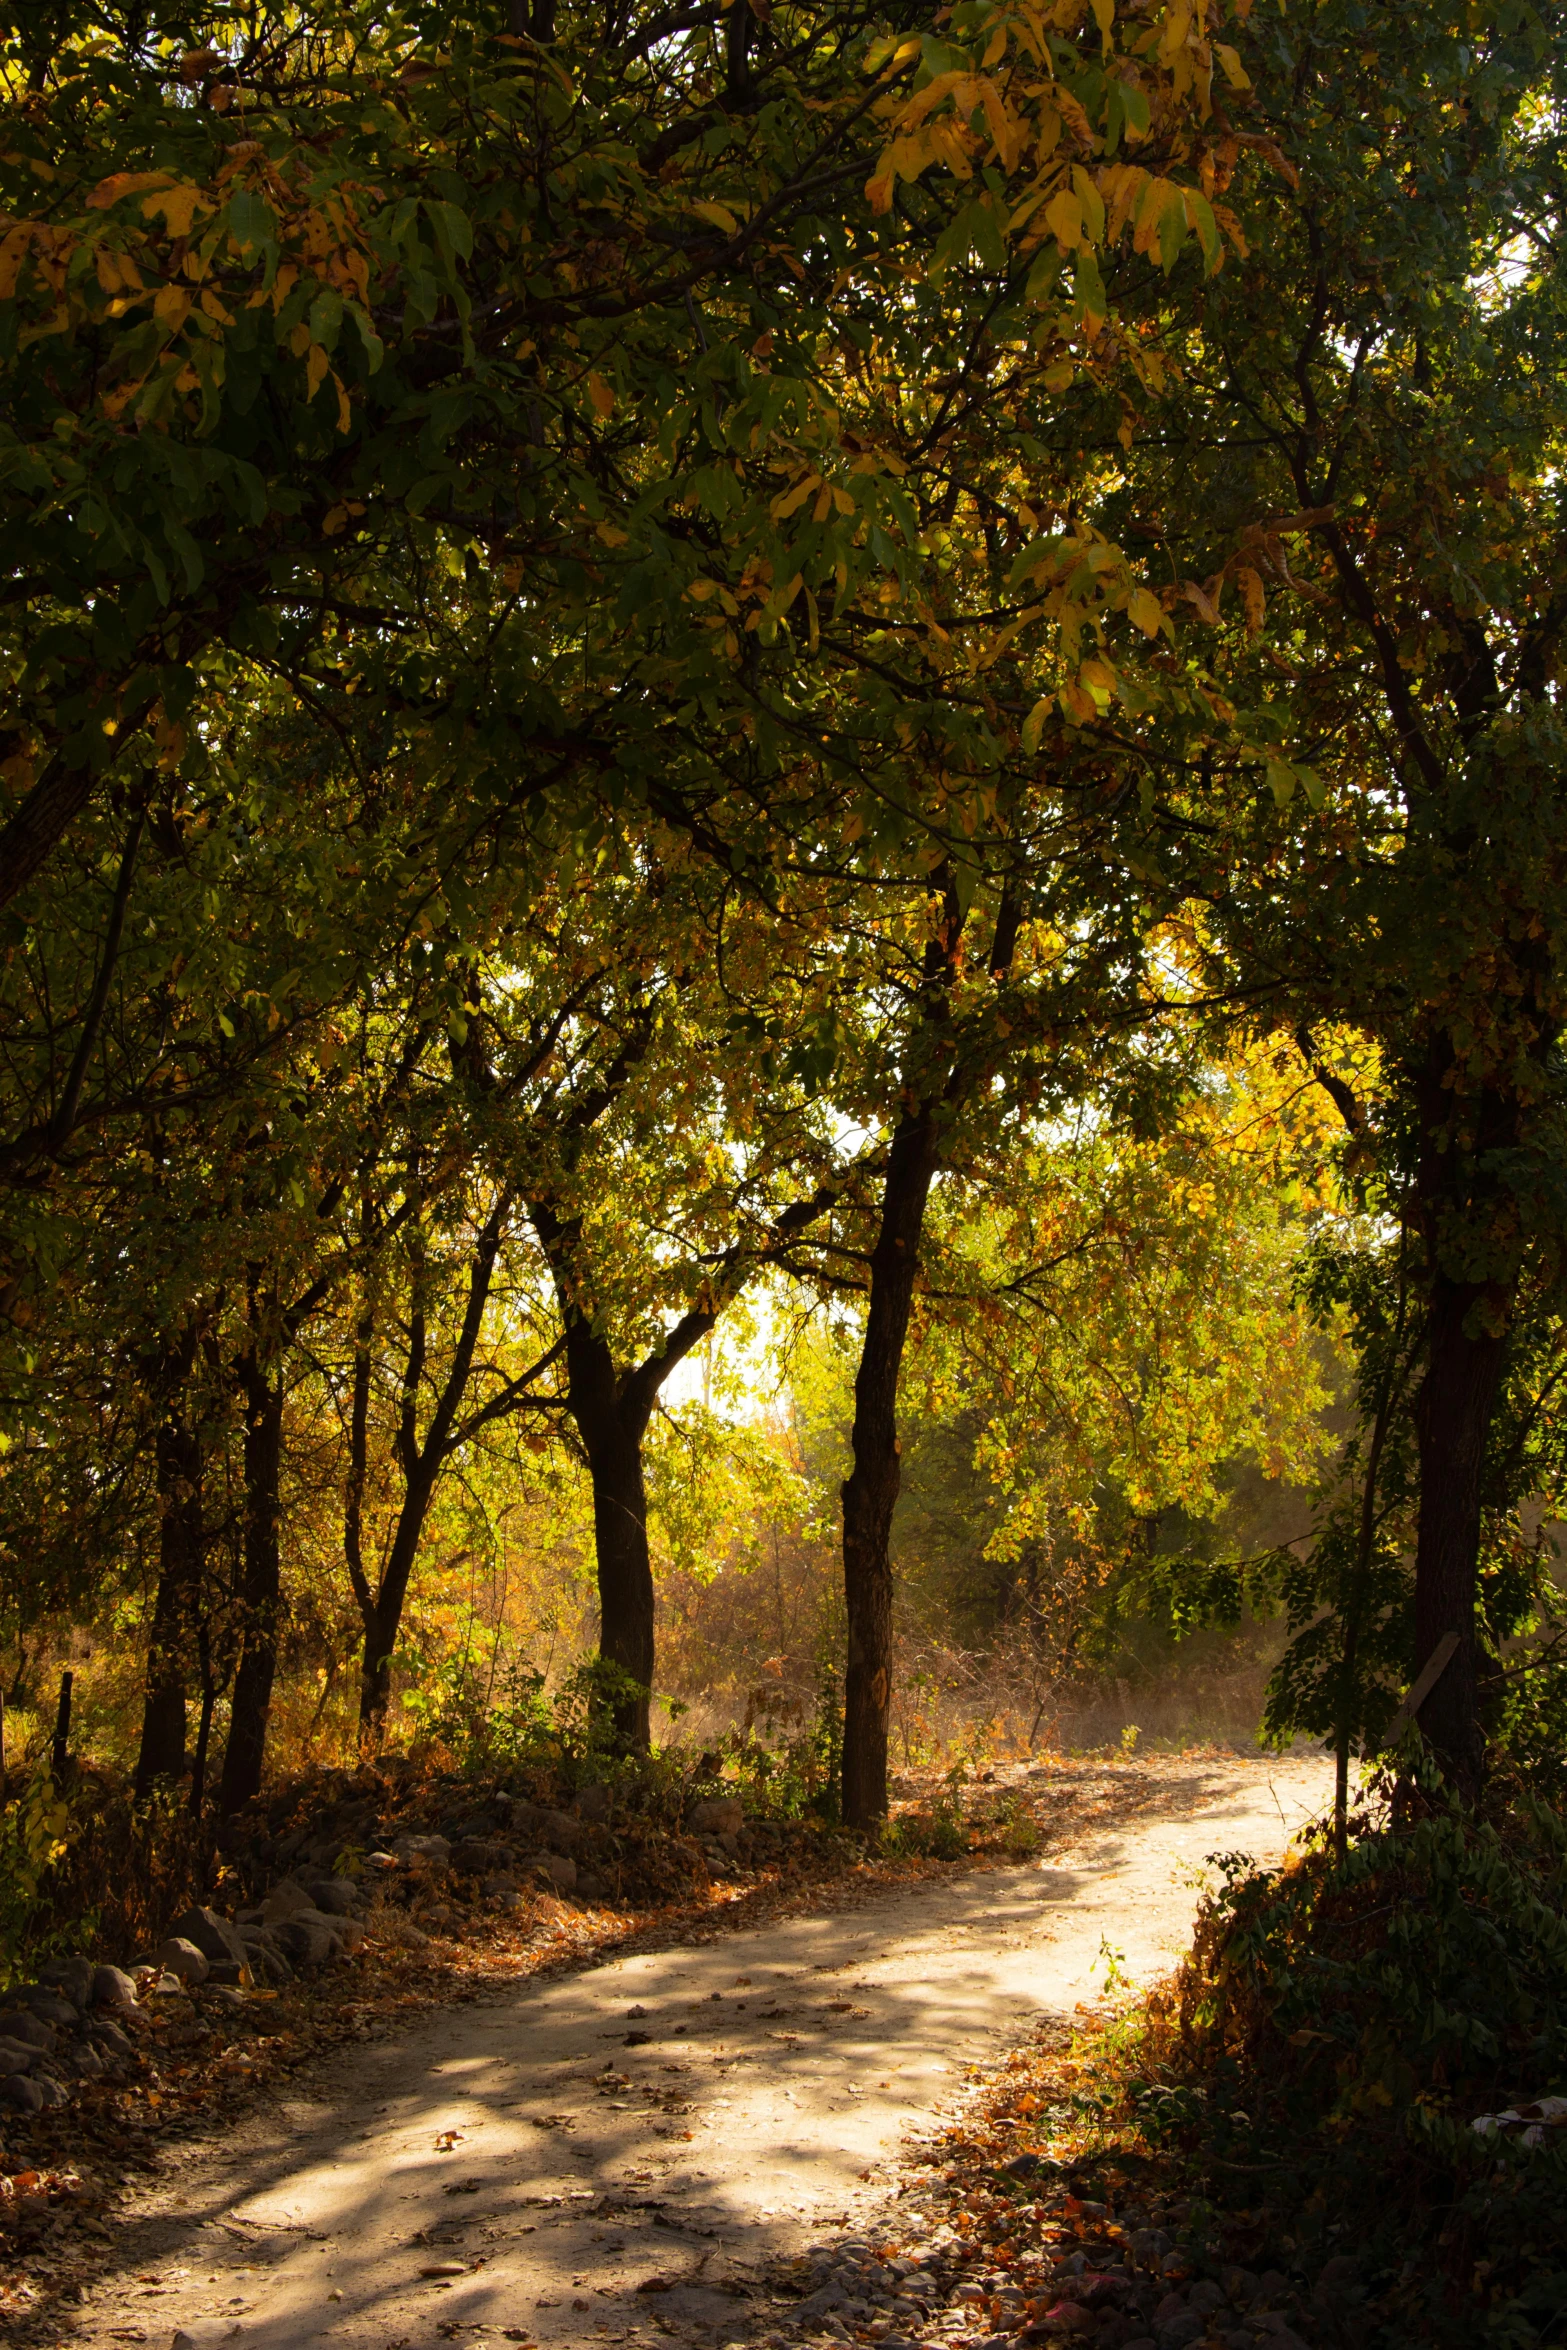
[550,2168]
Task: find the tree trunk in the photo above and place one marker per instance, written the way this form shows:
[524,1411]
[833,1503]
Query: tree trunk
[612,1425]
[870,1492]
[177,1453]
[1452,1421]
[383,1615]
[261,1589]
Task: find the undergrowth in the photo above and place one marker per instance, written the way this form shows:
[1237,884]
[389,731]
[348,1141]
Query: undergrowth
[1314,2073]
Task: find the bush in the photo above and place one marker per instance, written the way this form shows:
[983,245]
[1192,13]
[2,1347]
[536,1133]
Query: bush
[1338,2029]
[32,1838]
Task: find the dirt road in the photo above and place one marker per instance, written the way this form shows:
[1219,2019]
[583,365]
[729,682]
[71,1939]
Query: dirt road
[684,2113]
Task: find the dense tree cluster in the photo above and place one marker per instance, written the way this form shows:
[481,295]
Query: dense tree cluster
[882,662]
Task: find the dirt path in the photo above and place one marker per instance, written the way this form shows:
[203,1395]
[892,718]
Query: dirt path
[521,2143]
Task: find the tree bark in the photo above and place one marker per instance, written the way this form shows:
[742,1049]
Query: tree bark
[261,1588]
[611,1410]
[612,1426]
[177,1455]
[383,1619]
[870,1491]
[1452,1422]
[382,1610]
[41,823]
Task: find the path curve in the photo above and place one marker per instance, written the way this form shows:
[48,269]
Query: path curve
[519,2142]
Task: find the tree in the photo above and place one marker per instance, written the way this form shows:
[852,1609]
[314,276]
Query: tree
[1380,385]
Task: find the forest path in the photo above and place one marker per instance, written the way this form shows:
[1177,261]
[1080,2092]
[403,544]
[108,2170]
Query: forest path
[517,2140]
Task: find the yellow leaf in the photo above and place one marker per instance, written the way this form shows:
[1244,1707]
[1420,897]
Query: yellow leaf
[1146,612]
[792,500]
[11,256]
[1093,205]
[124,183]
[333,521]
[701,589]
[316,365]
[345,415]
[601,394]
[1033,724]
[1250,584]
[720,216]
[1104,18]
[1234,72]
[1064,212]
[178,205]
[611,536]
[878,192]
[171,307]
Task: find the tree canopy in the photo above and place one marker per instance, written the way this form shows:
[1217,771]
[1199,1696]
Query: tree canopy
[759,670]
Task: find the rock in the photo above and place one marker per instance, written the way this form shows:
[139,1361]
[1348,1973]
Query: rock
[50,2009]
[475,1857]
[263,1955]
[503,1882]
[112,1987]
[19,2091]
[593,1885]
[593,1804]
[285,1900]
[204,2333]
[308,1939]
[182,1958]
[716,1815]
[108,2035]
[267,1961]
[19,2023]
[562,1873]
[560,1831]
[380,1862]
[1188,2327]
[15,2057]
[230,1972]
[1069,2318]
[818,2304]
[74,1978]
[50,2092]
[335,1897]
[1205,2297]
[86,2060]
[435,1850]
[213,1936]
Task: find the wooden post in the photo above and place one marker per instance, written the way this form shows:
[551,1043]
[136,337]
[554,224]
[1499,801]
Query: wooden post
[62,1732]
